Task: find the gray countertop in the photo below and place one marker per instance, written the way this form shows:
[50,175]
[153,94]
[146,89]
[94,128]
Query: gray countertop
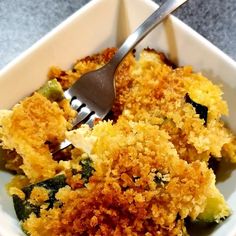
[23,22]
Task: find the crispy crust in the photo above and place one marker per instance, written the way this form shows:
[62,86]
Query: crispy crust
[150,164]
[33,123]
[151,90]
[116,203]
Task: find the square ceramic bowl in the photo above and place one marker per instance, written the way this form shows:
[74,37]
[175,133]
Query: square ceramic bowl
[111,22]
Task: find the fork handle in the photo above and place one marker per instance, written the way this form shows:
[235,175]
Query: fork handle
[148,25]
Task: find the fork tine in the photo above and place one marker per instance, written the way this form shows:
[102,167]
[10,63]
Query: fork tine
[76,104]
[90,121]
[81,115]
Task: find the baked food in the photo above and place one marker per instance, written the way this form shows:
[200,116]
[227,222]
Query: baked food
[142,174]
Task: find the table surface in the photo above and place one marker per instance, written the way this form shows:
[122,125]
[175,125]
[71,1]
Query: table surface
[23,22]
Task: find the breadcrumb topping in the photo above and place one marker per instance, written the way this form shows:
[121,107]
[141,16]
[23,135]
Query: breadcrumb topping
[123,197]
[143,173]
[33,123]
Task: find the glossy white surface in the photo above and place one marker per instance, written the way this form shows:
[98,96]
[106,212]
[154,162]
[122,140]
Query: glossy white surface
[111,21]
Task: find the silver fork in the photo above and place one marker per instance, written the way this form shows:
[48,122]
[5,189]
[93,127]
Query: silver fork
[94,93]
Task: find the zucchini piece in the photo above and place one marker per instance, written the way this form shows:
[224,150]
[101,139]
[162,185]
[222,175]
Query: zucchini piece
[87,169]
[216,208]
[24,208]
[201,110]
[52,90]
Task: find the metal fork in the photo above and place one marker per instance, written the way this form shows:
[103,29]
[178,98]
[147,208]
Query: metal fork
[94,93]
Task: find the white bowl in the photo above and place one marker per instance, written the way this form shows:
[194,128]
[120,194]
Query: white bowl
[111,22]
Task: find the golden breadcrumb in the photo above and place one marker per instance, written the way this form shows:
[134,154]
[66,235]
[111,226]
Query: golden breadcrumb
[39,195]
[158,96]
[127,195]
[150,89]
[33,123]
[229,150]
